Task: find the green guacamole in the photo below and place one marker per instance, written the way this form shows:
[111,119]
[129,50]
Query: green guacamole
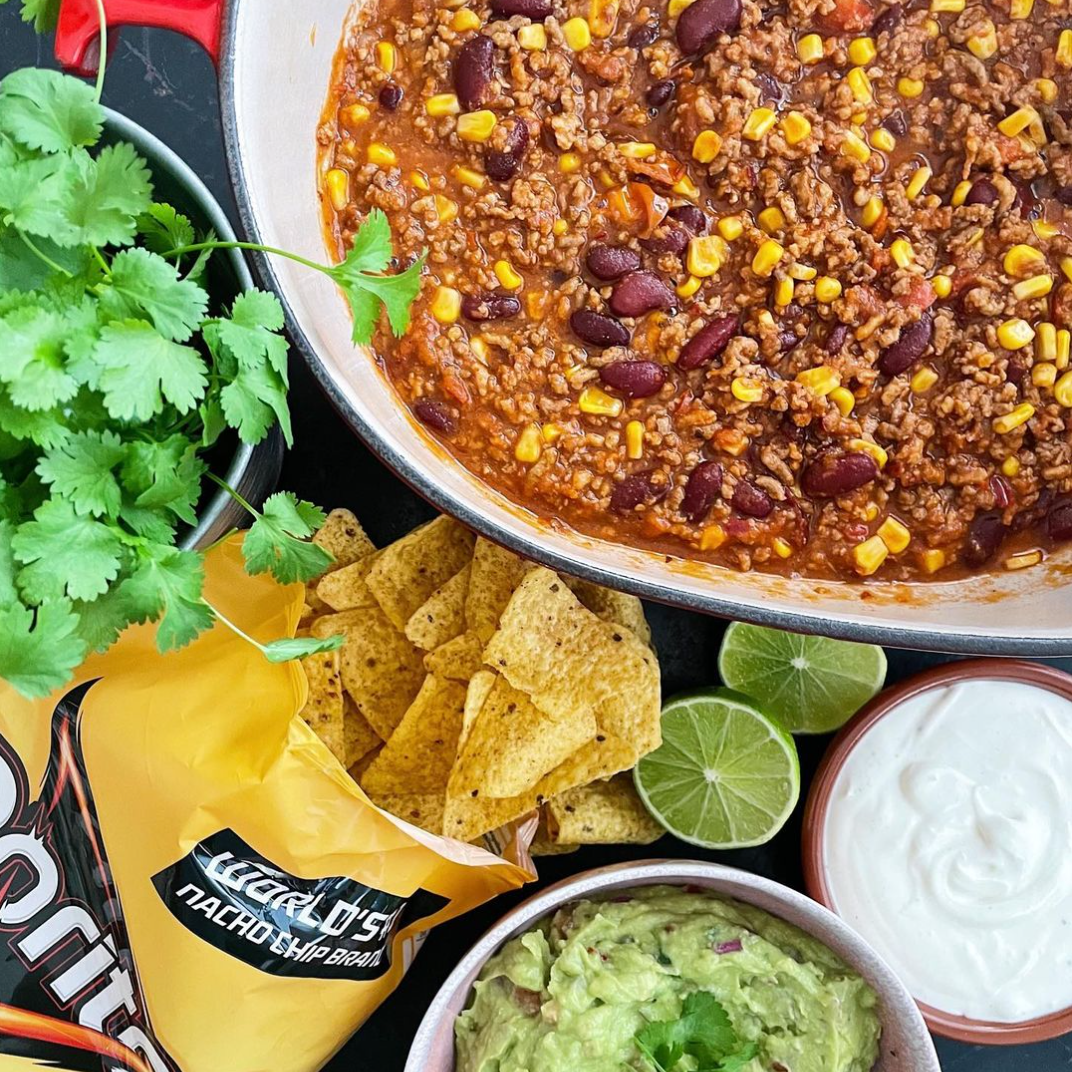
[570,995]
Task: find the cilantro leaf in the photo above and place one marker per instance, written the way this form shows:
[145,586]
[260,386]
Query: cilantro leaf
[143,283]
[163,229]
[33,194]
[46,429]
[287,648]
[106,195]
[371,248]
[254,401]
[167,585]
[277,540]
[31,341]
[703,1032]
[250,333]
[23,270]
[101,622]
[42,13]
[47,110]
[151,522]
[39,652]
[81,470]
[8,567]
[165,475]
[140,368]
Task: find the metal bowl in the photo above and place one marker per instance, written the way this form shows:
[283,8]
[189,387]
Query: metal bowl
[905,1045]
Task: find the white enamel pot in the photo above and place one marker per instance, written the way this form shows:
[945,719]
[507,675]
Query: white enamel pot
[275,64]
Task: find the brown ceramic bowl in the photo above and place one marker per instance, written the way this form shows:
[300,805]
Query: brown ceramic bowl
[941,1023]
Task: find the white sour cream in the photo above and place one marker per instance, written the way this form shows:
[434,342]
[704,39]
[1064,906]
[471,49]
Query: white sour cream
[948,846]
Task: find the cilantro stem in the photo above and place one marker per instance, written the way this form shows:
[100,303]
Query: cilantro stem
[102,63]
[101,261]
[234,628]
[219,481]
[48,260]
[252,247]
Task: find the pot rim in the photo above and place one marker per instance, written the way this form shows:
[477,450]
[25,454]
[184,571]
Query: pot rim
[575,564]
[948,1025]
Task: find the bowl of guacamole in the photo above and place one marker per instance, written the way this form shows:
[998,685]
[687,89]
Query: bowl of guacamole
[672,966]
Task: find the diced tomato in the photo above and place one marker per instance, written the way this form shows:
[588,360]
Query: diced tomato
[1009,148]
[455,387]
[662,168]
[650,206]
[850,15]
[920,294]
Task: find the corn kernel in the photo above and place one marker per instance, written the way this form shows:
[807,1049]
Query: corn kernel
[1015,334]
[552,432]
[1024,560]
[689,287]
[529,444]
[1046,342]
[1064,337]
[782,548]
[909,87]
[746,390]
[771,219]
[598,403]
[960,193]
[783,291]
[578,34]
[705,256]
[420,181]
[1063,55]
[853,145]
[479,348]
[468,176]
[882,139]
[869,555]
[446,305]
[767,257]
[712,538]
[1011,465]
[1066,267]
[932,27]
[338,186]
[933,559]
[569,162]
[827,289]
[795,128]
[844,399]
[1047,89]
[1062,390]
[446,210]
[1022,261]
[871,511]
[810,48]
[507,277]
[464,19]
[758,123]
[1044,375]
[685,187]
[942,285]
[862,51]
[636,150]
[730,227]
[476,126]
[1045,230]
[675,7]
[442,104]
[634,440]
[920,177]
[1010,421]
[1038,286]
[803,273]
[860,85]
[894,535]
[765,320]
[532,38]
[355,114]
[1021,9]
[602,17]
[984,45]
[867,447]
[1019,121]
[821,380]
[386,57]
[902,253]
[559,227]
[923,380]
[955,6]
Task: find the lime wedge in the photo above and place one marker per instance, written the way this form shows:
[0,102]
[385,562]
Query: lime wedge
[726,776]
[809,684]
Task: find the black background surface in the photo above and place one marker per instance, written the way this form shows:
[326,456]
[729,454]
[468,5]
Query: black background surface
[168,85]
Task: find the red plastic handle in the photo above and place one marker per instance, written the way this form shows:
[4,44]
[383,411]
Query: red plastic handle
[78,32]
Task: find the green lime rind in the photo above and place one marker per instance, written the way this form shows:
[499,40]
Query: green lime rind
[809,684]
[726,776]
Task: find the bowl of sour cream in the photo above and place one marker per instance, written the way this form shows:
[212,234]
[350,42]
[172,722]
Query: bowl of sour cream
[939,827]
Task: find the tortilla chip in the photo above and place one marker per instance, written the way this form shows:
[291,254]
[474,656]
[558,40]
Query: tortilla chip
[459,659]
[604,813]
[313,606]
[567,660]
[357,770]
[381,670]
[407,573]
[496,573]
[442,616]
[617,608]
[420,754]
[346,588]
[342,536]
[512,744]
[542,845]
[479,689]
[323,710]
[360,737]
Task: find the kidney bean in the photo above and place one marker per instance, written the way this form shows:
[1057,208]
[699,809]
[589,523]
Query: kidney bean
[888,21]
[750,500]
[644,35]
[598,329]
[634,379]
[611,262]
[701,24]
[490,306]
[436,415]
[634,490]
[671,240]
[835,340]
[473,65]
[909,348]
[896,123]
[708,342]
[834,473]
[1064,194]
[501,164]
[788,339]
[390,96]
[985,536]
[1001,490]
[701,489]
[982,192]
[690,217]
[660,92]
[641,292]
[1059,520]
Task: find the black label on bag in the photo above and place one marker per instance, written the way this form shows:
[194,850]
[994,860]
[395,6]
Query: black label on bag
[324,928]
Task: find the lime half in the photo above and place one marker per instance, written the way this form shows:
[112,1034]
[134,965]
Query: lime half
[726,776]
[809,684]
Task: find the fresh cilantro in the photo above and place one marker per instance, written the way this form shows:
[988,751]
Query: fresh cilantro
[32,342]
[82,470]
[167,585]
[277,540]
[39,650]
[164,475]
[144,284]
[162,228]
[282,651]
[49,111]
[106,194]
[42,13]
[702,1032]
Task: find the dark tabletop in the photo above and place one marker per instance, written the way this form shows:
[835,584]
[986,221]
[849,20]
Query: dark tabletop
[168,85]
